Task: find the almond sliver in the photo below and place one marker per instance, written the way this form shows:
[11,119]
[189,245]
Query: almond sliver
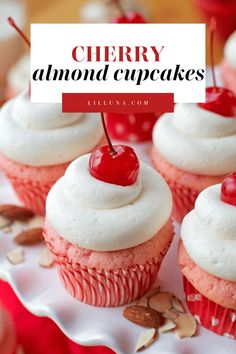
[146,339]
[185,326]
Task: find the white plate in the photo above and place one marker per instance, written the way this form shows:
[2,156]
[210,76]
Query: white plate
[41,293]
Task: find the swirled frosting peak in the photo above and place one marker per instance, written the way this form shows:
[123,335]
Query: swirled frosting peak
[196,140]
[102,216]
[209,234]
[41,135]
[230,50]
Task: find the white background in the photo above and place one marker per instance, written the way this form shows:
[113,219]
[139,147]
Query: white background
[53,44]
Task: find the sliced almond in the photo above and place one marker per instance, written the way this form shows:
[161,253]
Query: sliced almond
[45,259]
[185,326]
[143,316]
[17,227]
[146,339]
[167,326]
[170,314]
[4,222]
[36,221]
[29,237]
[161,302]
[177,305]
[143,301]
[16,256]
[15,212]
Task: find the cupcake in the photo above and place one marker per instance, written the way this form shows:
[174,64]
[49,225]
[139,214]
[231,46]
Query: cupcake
[108,226]
[195,146]
[207,258]
[37,143]
[224,12]
[18,77]
[8,339]
[131,127]
[228,65]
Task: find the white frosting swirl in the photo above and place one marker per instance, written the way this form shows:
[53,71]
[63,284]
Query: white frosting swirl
[196,140]
[209,234]
[105,217]
[230,50]
[19,75]
[41,135]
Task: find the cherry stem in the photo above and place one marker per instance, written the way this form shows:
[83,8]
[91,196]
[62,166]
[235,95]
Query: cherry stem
[212,35]
[23,36]
[120,7]
[112,150]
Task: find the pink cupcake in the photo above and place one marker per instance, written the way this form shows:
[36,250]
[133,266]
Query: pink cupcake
[228,65]
[38,141]
[207,258]
[108,226]
[195,146]
[8,339]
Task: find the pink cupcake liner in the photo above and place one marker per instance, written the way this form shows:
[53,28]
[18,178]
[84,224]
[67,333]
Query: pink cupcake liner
[105,288]
[210,315]
[32,194]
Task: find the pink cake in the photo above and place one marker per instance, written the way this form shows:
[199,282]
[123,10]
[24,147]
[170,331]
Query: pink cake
[207,258]
[108,237]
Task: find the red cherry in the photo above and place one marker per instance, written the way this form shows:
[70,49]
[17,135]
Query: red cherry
[220,100]
[121,167]
[130,17]
[228,189]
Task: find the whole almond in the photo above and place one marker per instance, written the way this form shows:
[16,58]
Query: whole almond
[143,316]
[15,212]
[29,237]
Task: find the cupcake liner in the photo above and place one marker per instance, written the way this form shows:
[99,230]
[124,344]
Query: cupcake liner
[106,288]
[32,194]
[210,315]
[131,127]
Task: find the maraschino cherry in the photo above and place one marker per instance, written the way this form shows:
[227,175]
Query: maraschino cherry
[23,36]
[218,99]
[116,164]
[228,189]
[127,17]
